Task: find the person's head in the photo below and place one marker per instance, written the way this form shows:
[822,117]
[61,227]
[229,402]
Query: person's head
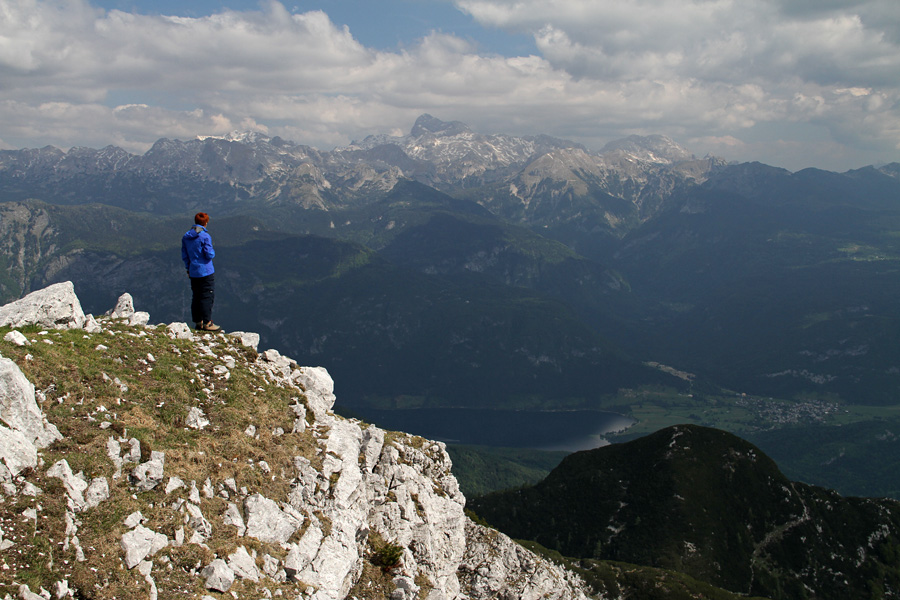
[201,218]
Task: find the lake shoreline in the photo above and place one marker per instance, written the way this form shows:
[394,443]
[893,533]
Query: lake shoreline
[567,430]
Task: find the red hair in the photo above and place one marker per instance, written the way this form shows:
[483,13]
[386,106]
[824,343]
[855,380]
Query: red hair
[201,218]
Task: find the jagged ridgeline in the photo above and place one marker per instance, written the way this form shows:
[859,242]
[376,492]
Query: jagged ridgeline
[706,503]
[148,461]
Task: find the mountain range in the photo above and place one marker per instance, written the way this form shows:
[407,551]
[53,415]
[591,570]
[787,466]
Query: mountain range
[450,268]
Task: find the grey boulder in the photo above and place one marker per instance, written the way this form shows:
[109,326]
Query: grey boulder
[55,307]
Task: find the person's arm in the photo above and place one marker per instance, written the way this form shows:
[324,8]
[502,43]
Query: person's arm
[184,257]
[207,247]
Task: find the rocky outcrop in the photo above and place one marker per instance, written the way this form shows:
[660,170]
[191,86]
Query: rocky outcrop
[23,428]
[318,527]
[496,567]
[19,409]
[55,306]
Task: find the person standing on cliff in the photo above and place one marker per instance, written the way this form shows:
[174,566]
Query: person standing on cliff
[197,253]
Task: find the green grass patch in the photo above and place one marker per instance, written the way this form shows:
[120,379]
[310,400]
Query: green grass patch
[137,383]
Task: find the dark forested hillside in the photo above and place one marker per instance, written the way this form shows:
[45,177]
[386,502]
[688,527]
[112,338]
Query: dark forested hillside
[704,502]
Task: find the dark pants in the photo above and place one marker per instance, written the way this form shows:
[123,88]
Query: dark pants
[204,292]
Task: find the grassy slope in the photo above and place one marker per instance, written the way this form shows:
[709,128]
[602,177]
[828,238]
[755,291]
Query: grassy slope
[75,377]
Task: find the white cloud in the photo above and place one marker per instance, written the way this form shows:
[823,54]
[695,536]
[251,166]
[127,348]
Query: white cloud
[726,65]
[72,74]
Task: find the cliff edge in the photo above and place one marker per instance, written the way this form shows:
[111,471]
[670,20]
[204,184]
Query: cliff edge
[152,461]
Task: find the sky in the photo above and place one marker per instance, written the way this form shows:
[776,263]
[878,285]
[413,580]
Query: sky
[790,83]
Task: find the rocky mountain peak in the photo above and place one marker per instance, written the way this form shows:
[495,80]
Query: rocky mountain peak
[426,124]
[651,148]
[247,137]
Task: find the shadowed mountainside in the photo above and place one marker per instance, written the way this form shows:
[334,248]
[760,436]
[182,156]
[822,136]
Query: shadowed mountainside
[704,502]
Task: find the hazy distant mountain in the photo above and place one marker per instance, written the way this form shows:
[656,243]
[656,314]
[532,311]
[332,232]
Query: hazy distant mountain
[652,148]
[706,503]
[229,173]
[760,278]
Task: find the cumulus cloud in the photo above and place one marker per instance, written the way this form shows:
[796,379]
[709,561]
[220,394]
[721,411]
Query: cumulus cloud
[737,63]
[706,71]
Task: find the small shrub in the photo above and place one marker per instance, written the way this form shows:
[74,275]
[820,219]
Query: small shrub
[387,555]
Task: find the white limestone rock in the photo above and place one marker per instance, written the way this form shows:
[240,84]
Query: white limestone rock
[139,318]
[19,409]
[494,566]
[406,589]
[124,308]
[74,485]
[219,576]
[97,492]
[25,593]
[194,493]
[335,565]
[319,387]
[174,484]
[179,331]
[134,519]
[372,444]
[29,489]
[141,542]
[113,452]
[196,419]
[426,515]
[91,325]
[233,517]
[179,538]
[271,568]
[243,565]
[17,338]
[144,568]
[5,544]
[305,489]
[55,306]
[277,364]
[300,418]
[267,522]
[17,453]
[303,552]
[148,475]
[248,339]
[195,519]
[134,452]
[61,590]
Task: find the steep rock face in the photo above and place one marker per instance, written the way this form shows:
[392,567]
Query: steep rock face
[318,504]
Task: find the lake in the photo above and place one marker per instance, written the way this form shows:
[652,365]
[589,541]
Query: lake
[546,430]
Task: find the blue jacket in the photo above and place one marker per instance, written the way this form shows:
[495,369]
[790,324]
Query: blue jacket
[197,252]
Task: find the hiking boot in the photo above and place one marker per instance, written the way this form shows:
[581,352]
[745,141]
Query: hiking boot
[199,326]
[210,326]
